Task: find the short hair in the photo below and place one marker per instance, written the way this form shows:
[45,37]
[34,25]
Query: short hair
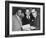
[33,10]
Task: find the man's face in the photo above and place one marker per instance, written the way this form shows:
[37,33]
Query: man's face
[34,13]
[22,15]
[19,12]
[27,12]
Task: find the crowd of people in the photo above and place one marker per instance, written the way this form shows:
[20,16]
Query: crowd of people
[24,21]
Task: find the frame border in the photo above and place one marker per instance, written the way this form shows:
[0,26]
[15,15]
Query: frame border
[7,18]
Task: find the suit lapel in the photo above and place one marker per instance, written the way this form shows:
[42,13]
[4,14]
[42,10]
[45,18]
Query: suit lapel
[19,21]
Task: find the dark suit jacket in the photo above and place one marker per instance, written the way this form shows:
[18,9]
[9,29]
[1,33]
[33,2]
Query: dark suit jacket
[35,22]
[25,21]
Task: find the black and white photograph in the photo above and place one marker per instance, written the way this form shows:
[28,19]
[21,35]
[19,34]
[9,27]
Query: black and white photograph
[24,18]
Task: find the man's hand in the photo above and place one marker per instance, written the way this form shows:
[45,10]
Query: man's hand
[32,27]
[26,27]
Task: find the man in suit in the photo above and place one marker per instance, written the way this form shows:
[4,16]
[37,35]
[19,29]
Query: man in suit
[16,21]
[34,19]
[26,19]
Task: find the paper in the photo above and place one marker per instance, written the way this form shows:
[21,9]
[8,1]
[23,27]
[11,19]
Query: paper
[26,27]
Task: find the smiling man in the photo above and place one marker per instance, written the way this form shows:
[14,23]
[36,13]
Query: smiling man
[16,21]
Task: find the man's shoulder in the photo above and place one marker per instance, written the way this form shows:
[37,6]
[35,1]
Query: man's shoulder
[14,17]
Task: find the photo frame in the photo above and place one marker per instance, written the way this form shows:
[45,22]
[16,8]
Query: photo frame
[12,5]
